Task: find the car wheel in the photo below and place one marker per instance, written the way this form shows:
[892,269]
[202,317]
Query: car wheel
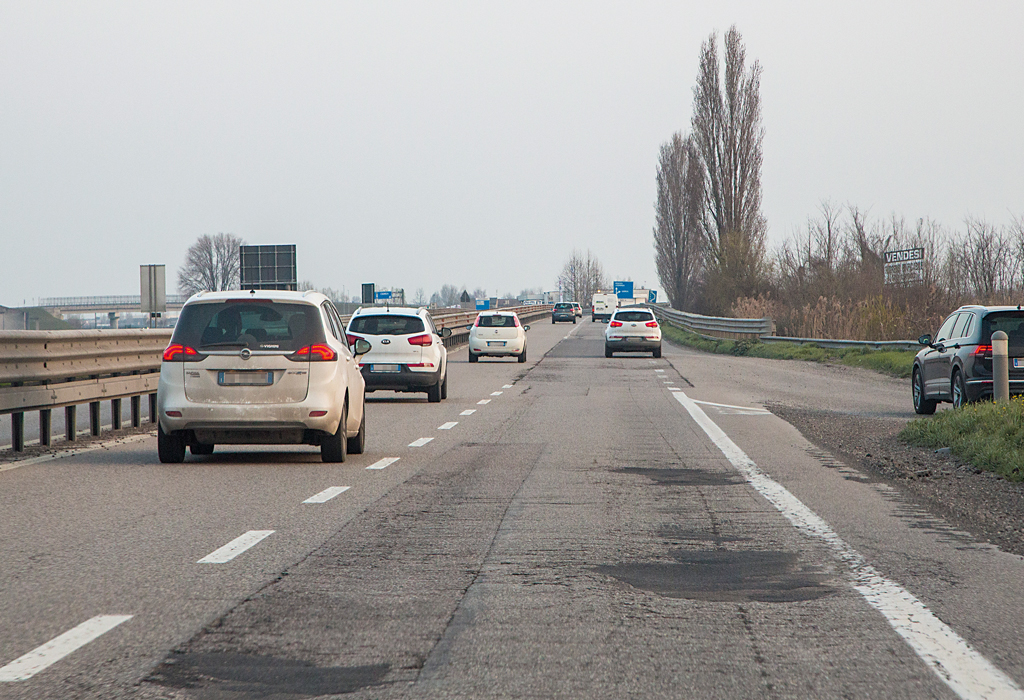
[607,351]
[656,352]
[574,320]
[522,355]
[334,448]
[921,404]
[593,320]
[434,393]
[170,448]
[444,385]
[959,390]
[357,444]
[552,322]
[201,448]
[472,357]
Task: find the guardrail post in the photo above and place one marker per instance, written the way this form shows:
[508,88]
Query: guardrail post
[70,429]
[152,408]
[136,411]
[1000,366]
[18,432]
[115,414]
[94,418]
[45,426]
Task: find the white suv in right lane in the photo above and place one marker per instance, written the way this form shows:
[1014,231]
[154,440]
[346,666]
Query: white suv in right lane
[632,329]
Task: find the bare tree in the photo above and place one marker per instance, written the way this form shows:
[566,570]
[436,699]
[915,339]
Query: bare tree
[581,276]
[420,299]
[448,295]
[728,135]
[211,264]
[678,230]
[479,293]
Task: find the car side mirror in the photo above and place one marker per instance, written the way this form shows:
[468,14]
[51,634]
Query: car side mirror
[361,347]
[470,326]
[446,332]
[526,328]
[925,339]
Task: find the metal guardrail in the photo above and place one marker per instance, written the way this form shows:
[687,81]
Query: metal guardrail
[840,344]
[716,326]
[44,370]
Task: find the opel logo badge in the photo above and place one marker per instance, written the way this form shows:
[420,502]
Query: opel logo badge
[385,341]
[245,354]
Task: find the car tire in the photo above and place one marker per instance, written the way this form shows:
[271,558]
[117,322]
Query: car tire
[552,322]
[170,448]
[201,448]
[607,351]
[656,352]
[574,320]
[434,393]
[334,448]
[357,444]
[593,320]
[958,390]
[472,357]
[444,385]
[922,406]
[522,356]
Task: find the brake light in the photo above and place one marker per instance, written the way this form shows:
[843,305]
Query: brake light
[477,323]
[615,324]
[314,353]
[983,350]
[422,340]
[352,338]
[515,320]
[652,324]
[176,352]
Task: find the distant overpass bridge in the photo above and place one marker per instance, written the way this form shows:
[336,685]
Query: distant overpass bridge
[118,304]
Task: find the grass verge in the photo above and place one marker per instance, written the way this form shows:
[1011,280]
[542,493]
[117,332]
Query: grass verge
[895,363]
[988,435]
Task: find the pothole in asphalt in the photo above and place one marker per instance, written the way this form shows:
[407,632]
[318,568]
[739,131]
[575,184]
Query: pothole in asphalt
[725,576]
[225,675]
[676,533]
[686,476]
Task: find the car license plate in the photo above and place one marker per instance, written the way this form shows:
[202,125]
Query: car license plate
[385,368]
[1018,362]
[247,378]
[495,343]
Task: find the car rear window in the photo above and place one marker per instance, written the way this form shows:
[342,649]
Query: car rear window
[1009,322]
[386,324]
[257,325]
[496,321]
[563,306]
[634,316]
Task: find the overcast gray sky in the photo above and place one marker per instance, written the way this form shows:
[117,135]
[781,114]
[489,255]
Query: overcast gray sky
[414,144]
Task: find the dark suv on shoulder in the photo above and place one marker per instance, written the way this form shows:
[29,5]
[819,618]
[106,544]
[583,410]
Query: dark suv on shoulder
[563,311]
[956,366]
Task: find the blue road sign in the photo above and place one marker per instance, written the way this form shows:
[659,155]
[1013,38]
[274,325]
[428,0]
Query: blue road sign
[623,290]
[652,296]
[382,296]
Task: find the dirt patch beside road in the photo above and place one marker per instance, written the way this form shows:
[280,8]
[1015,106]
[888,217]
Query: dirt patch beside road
[984,504]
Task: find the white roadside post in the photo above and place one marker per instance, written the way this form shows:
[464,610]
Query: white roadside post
[1000,367]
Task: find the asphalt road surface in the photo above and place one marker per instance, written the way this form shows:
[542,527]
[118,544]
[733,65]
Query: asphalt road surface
[571,527]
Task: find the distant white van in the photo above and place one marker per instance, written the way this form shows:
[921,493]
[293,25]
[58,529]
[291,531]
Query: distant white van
[604,306]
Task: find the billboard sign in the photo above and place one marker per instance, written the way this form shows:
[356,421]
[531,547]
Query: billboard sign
[904,266]
[152,284]
[368,292]
[623,290]
[268,267]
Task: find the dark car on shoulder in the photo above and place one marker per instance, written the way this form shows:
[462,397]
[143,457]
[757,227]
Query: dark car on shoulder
[956,365]
[563,311]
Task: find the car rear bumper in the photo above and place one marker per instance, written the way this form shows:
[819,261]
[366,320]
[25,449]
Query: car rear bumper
[403,380]
[631,344]
[481,348]
[978,389]
[563,317]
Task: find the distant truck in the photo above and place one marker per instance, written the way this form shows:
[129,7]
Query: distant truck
[603,306]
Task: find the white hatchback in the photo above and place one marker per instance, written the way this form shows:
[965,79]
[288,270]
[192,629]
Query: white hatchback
[497,334]
[408,352]
[632,329]
[263,368]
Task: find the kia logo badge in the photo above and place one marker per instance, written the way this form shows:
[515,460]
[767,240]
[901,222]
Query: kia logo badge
[385,341]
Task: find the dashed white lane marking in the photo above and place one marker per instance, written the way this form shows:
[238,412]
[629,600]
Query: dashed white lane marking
[483,402]
[72,451]
[968,673]
[507,386]
[659,370]
[42,657]
[327,494]
[448,426]
[497,393]
[235,547]
[420,443]
[674,388]
[383,463]
[468,412]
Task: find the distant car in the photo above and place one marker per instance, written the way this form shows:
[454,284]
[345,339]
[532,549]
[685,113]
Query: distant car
[268,367]
[497,334]
[563,311]
[408,352]
[956,365]
[577,308]
[632,330]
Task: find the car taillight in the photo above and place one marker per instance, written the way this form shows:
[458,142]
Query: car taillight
[615,324]
[176,352]
[652,324]
[983,350]
[422,340]
[314,353]
[352,338]
[515,320]
[477,324]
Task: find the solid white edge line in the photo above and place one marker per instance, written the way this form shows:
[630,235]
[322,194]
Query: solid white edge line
[232,549]
[725,405]
[420,442]
[967,672]
[448,426]
[71,452]
[44,656]
[468,412]
[383,463]
[483,402]
[327,494]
